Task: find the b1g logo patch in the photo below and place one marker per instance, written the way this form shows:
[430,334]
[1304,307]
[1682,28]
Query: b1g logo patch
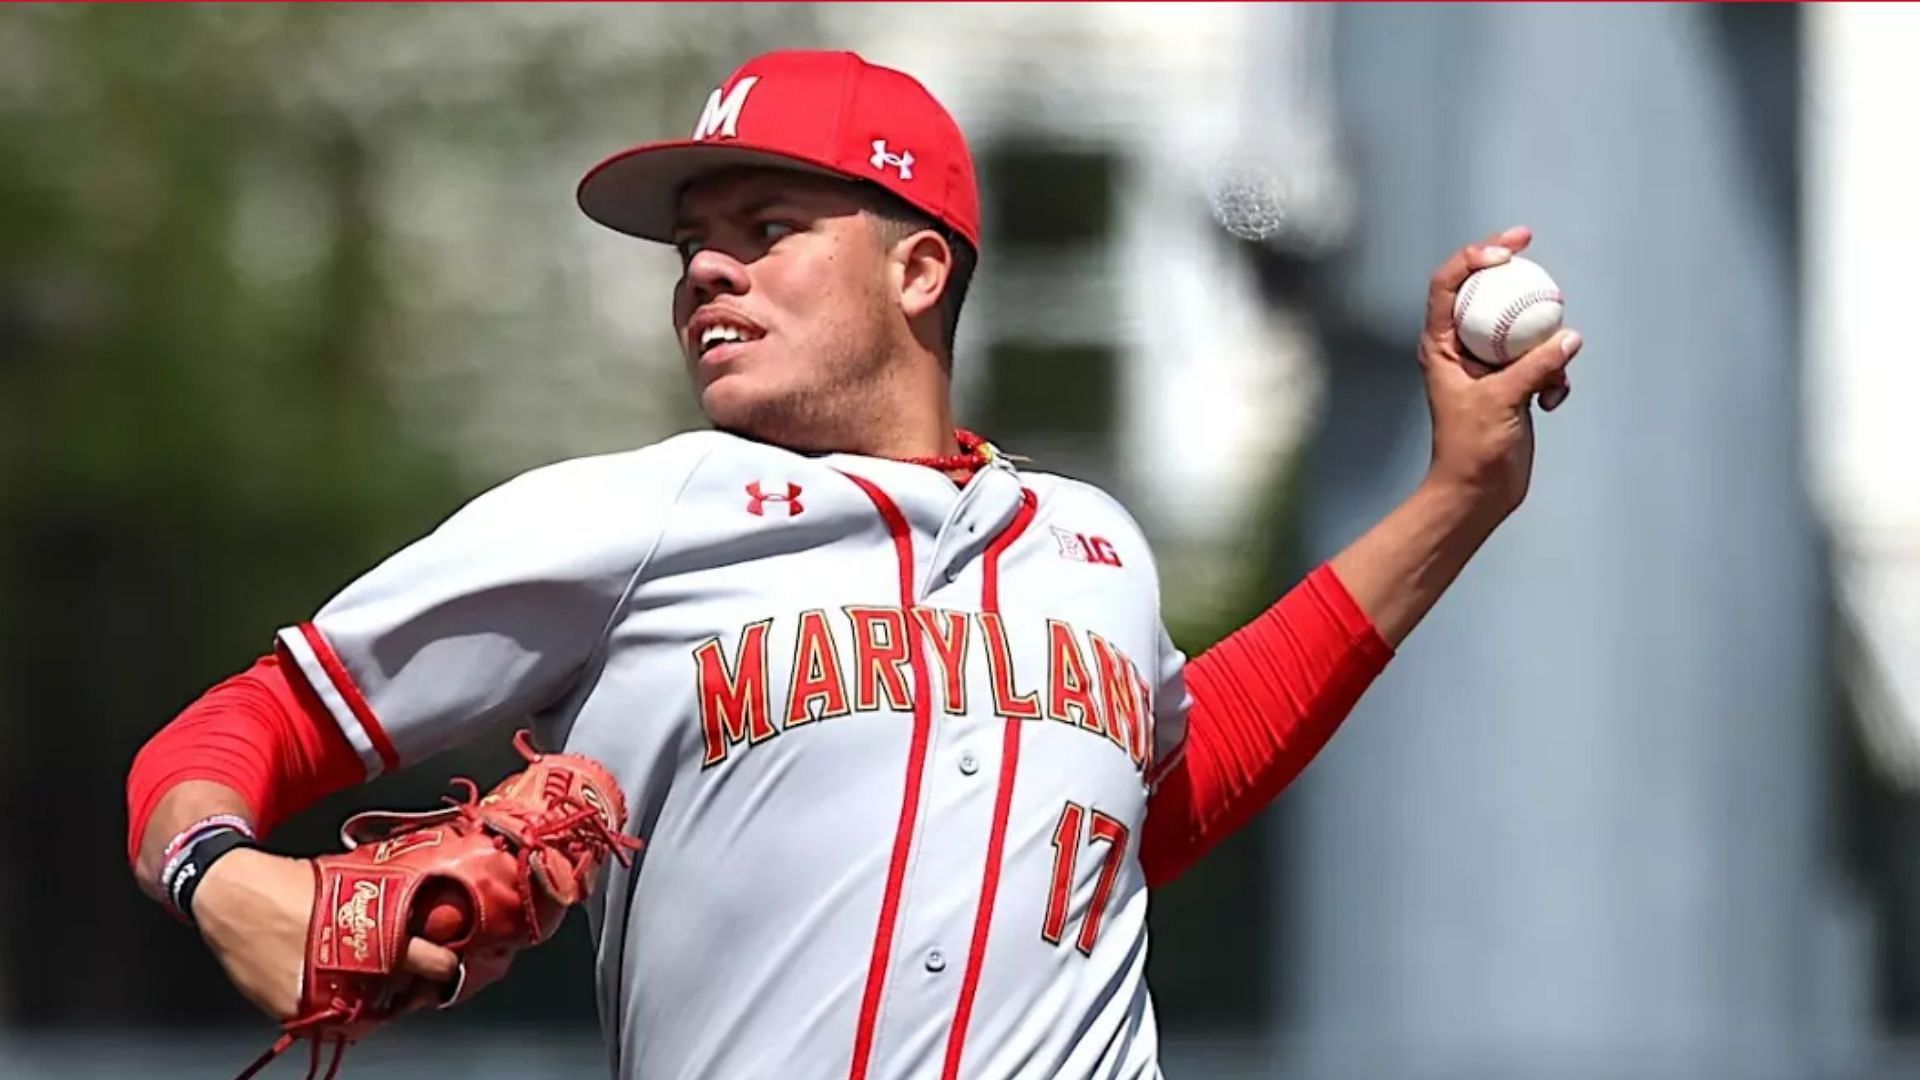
[1080,547]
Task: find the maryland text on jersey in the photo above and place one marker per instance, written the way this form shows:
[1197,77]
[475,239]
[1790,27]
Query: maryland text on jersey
[1092,686]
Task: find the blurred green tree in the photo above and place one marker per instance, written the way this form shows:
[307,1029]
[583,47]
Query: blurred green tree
[205,336]
[192,454]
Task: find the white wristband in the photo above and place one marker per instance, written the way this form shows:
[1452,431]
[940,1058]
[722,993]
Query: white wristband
[176,850]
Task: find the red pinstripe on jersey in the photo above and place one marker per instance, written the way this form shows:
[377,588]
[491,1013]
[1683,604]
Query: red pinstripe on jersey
[1002,805]
[910,800]
[343,681]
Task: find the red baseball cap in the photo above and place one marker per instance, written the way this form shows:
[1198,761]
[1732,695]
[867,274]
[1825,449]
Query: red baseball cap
[822,112]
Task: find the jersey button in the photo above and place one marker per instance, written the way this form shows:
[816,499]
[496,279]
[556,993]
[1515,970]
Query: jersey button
[936,961]
[969,764]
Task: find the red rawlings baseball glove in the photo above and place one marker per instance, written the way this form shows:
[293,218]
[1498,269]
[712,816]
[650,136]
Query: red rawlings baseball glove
[485,877]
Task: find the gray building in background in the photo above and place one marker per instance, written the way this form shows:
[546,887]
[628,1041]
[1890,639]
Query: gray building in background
[1581,828]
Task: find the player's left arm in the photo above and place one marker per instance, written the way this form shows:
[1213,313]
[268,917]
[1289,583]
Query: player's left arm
[1482,459]
[1247,715]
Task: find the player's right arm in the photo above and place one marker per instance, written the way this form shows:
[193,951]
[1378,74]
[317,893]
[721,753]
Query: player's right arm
[257,750]
[495,614]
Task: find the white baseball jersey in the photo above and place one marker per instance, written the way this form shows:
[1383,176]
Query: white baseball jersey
[888,739]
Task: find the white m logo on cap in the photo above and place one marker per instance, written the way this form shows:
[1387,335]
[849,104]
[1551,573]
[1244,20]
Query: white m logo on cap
[722,114]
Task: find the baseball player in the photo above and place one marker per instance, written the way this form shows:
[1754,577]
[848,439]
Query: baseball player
[896,719]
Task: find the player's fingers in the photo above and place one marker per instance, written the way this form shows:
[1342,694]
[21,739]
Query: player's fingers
[430,961]
[1556,391]
[1541,369]
[1445,283]
[1556,382]
[1514,239]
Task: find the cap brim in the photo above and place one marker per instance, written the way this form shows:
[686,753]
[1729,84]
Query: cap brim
[636,191]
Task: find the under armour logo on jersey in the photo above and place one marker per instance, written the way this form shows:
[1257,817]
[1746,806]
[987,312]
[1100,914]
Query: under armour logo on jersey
[902,160]
[758,498]
[1083,548]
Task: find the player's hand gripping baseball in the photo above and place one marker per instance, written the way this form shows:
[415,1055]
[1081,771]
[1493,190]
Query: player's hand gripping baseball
[1482,416]
[253,911]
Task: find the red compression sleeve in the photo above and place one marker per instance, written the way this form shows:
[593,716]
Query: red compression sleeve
[261,733]
[1265,701]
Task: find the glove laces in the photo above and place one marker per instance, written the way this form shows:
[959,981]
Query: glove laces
[571,828]
[303,1027]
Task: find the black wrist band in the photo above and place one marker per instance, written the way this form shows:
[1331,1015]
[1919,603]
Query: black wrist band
[195,861]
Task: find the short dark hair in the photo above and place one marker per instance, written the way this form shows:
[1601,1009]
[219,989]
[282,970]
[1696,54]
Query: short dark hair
[901,219]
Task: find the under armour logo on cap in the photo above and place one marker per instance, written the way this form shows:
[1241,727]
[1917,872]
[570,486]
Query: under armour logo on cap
[902,160]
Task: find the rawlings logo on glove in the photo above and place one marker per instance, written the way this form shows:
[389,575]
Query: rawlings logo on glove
[353,920]
[484,877]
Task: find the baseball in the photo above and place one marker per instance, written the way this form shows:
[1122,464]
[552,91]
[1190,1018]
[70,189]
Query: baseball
[1503,311]
[443,913]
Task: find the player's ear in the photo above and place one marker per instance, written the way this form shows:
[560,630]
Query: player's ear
[924,263]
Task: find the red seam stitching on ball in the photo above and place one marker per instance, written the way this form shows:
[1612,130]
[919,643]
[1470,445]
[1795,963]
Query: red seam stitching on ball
[1461,301]
[1512,314]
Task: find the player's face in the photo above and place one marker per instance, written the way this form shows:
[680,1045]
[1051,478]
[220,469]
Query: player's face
[784,310]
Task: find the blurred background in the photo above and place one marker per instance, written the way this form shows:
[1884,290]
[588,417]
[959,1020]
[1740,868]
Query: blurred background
[282,286]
